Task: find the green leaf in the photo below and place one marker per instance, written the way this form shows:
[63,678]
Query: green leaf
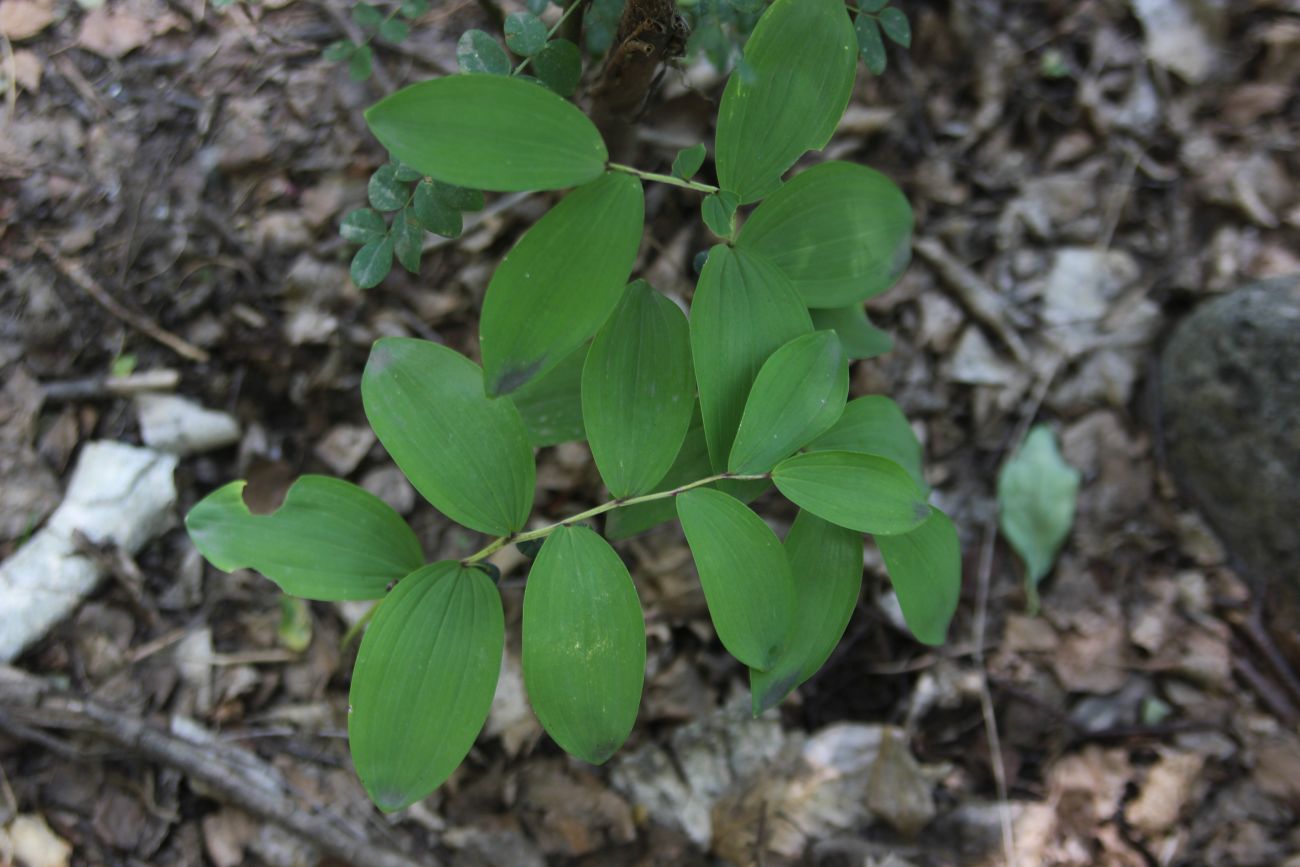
[394,30]
[361,63]
[826,564]
[583,644]
[424,680]
[690,464]
[413,9]
[386,192]
[895,25]
[339,50]
[874,425]
[469,130]
[866,493]
[371,264]
[434,213]
[330,539]
[560,282]
[460,198]
[363,226]
[408,240]
[537,7]
[798,394]
[406,174]
[719,212]
[870,45]
[872,6]
[525,33]
[367,15]
[841,232]
[551,404]
[467,454]
[858,336]
[744,573]
[925,568]
[802,61]
[688,161]
[477,51]
[638,390]
[1037,491]
[744,310]
[559,66]
[295,627]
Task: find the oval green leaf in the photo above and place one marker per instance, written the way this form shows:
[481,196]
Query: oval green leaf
[826,564]
[744,573]
[924,566]
[477,51]
[466,453]
[525,33]
[330,540]
[799,63]
[551,404]
[559,66]
[858,336]
[841,232]
[423,683]
[744,310]
[798,394]
[638,390]
[866,493]
[583,644]
[489,132]
[870,44]
[560,282]
[874,425]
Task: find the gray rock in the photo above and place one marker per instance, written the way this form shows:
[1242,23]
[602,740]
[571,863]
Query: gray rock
[170,423]
[1230,401]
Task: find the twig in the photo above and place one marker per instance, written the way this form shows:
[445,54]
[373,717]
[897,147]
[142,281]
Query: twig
[107,387]
[77,276]
[974,294]
[235,775]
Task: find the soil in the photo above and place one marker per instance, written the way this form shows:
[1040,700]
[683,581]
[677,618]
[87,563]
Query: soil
[1083,175]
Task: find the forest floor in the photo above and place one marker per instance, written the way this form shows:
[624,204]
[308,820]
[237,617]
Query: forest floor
[1083,173]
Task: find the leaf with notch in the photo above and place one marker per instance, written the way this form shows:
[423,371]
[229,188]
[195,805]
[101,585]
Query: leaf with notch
[874,425]
[866,493]
[744,310]
[559,66]
[371,263]
[688,161]
[466,130]
[841,232]
[560,282]
[330,540]
[465,453]
[798,394]
[802,64]
[363,226]
[826,565]
[477,51]
[423,683]
[858,336]
[525,33]
[924,566]
[637,390]
[583,644]
[744,573]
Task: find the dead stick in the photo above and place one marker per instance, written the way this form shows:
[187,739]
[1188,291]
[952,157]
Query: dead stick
[242,780]
[975,295]
[83,281]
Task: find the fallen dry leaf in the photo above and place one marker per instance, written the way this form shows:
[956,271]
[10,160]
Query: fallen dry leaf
[27,70]
[1167,790]
[23,19]
[35,845]
[112,33]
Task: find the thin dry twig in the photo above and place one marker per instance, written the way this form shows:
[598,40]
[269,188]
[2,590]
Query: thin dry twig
[108,387]
[77,275]
[979,299]
[235,775]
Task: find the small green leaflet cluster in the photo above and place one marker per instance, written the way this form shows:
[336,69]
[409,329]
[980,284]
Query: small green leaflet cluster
[1037,491]
[392,26]
[687,416]
[873,18]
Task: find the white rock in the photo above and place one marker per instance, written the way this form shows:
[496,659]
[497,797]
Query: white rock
[180,426]
[119,494]
[976,363]
[1175,39]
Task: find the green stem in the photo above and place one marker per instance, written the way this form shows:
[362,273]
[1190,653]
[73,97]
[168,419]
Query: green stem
[664,179]
[554,27]
[543,532]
